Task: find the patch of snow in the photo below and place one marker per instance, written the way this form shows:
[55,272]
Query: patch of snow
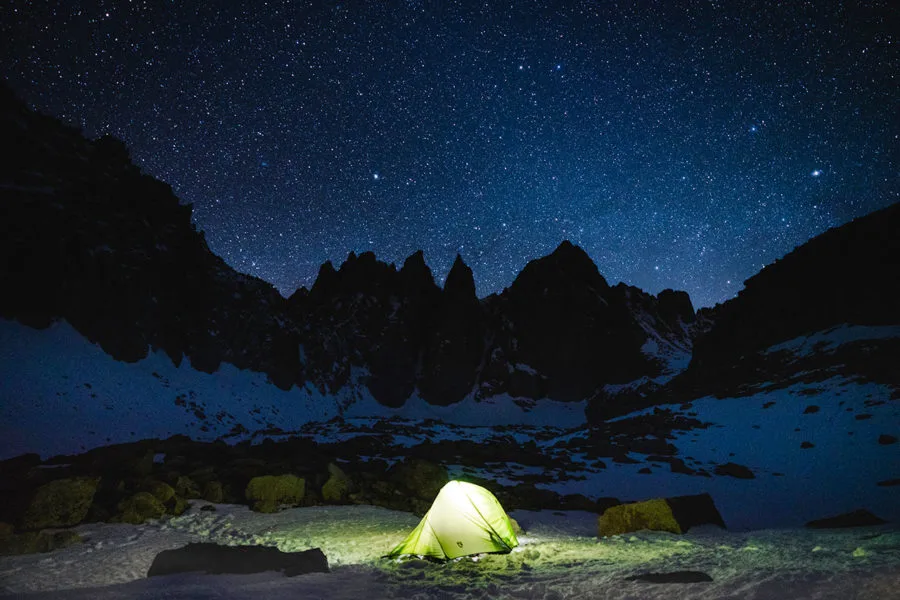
[829,339]
[63,395]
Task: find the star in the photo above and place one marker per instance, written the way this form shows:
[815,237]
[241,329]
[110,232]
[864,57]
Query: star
[816,173]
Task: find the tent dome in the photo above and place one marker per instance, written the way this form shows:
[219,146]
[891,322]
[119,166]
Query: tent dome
[464,519]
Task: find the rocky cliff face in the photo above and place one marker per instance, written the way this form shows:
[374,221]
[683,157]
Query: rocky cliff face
[90,239]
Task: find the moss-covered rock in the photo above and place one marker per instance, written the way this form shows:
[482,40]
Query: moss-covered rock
[159,490]
[177,506]
[186,488]
[419,478]
[213,492]
[651,514]
[60,503]
[139,508]
[337,489]
[32,542]
[266,493]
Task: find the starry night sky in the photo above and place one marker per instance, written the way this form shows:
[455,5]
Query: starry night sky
[682,144]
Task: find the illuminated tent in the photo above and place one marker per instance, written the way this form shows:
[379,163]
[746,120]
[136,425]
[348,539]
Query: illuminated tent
[464,519]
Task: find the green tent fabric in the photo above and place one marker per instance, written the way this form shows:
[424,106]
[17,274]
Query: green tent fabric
[464,519]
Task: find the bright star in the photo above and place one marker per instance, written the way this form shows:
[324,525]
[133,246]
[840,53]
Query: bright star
[816,173]
[376,176]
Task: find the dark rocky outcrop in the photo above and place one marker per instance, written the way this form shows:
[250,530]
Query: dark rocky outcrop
[848,275]
[856,518]
[216,560]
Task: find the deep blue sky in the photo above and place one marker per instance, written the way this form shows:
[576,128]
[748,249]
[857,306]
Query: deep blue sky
[682,144]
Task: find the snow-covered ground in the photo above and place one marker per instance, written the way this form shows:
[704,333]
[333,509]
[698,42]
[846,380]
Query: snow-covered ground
[559,557]
[63,395]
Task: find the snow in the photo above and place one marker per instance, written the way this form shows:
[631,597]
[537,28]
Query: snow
[829,339]
[64,395]
[559,557]
[792,485]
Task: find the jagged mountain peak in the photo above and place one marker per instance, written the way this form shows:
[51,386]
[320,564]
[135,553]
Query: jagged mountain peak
[564,270]
[460,283]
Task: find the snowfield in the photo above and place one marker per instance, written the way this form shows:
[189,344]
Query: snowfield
[814,447]
[559,557]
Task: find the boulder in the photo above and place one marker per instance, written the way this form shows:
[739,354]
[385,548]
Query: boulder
[139,508]
[419,478]
[213,492]
[32,542]
[216,559]
[60,503]
[856,518]
[734,470]
[159,490]
[337,488]
[676,515]
[186,488]
[266,493]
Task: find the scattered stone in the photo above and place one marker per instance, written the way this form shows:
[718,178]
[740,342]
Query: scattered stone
[857,518]
[266,493]
[673,577]
[60,503]
[208,508]
[645,471]
[807,445]
[215,559]
[734,470]
[811,409]
[885,439]
[888,483]
[768,405]
[863,417]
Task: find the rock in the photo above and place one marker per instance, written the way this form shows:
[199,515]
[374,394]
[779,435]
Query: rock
[186,488]
[32,542]
[420,478]
[811,409]
[266,493]
[159,490]
[856,518]
[213,492]
[676,515]
[734,470]
[673,577]
[888,483]
[177,506]
[337,488]
[807,445]
[139,508]
[215,559]
[60,503]
[651,514]
[885,439]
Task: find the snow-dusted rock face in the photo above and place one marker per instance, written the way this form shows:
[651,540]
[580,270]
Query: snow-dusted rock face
[88,239]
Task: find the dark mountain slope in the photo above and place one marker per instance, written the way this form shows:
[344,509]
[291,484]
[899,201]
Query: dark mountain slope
[88,238]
